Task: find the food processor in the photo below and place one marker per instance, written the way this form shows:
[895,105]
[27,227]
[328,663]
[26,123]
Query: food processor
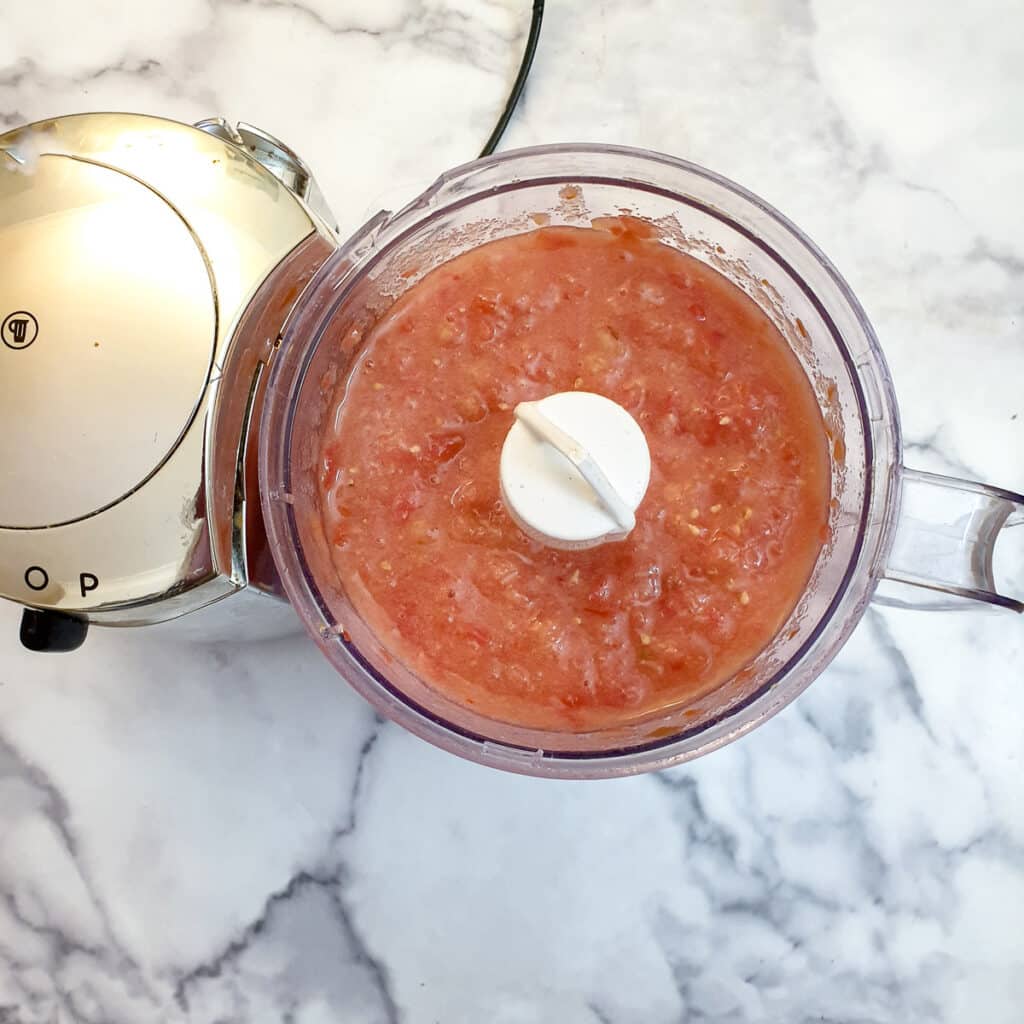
[178,313]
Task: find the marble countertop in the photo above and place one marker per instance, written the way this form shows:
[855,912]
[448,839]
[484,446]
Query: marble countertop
[218,834]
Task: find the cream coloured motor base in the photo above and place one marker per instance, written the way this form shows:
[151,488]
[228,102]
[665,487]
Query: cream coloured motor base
[146,268]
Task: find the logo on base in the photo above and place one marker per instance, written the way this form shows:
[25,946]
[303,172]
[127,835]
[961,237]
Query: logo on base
[19,330]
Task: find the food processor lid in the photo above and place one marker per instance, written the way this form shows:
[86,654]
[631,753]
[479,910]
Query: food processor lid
[130,247]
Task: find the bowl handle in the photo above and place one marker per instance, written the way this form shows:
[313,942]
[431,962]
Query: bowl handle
[945,534]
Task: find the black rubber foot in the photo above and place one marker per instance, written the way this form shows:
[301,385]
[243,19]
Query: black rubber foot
[54,632]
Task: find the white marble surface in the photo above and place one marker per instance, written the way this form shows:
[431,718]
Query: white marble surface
[226,835]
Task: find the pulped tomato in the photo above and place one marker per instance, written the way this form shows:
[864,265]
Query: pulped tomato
[726,537]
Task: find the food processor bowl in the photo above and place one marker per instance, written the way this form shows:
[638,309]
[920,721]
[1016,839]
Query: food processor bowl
[930,537]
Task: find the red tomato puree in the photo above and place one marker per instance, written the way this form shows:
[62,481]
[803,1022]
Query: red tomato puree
[726,537]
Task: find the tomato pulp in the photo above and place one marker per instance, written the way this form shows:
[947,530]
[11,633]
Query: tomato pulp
[726,536]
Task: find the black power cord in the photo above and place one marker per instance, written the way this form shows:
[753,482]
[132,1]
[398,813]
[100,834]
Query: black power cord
[517,86]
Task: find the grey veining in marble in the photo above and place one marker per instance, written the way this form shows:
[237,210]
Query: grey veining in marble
[213,835]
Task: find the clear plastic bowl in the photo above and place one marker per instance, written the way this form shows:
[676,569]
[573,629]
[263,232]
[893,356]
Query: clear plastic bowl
[941,545]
